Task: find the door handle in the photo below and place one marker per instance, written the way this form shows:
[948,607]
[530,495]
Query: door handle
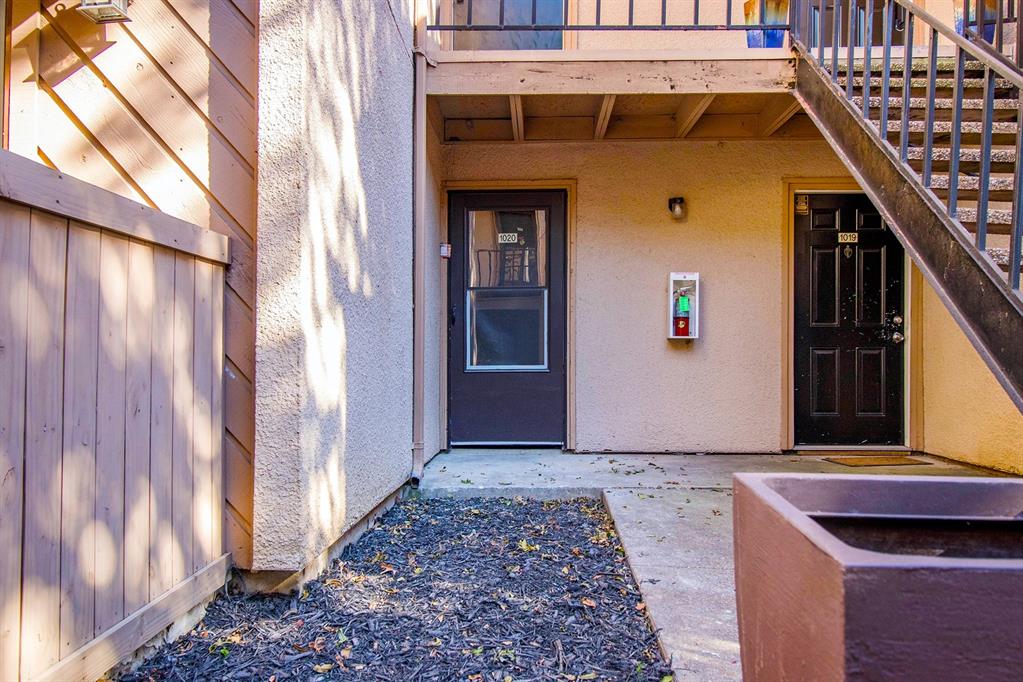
[897,337]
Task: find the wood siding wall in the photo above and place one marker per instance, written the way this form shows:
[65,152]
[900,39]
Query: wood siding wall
[160,110]
[111,425]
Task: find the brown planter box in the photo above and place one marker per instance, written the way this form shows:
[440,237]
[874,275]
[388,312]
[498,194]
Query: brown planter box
[879,577]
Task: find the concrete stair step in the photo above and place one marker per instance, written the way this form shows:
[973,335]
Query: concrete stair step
[1004,110]
[968,154]
[1000,257]
[1002,133]
[945,127]
[946,65]
[999,188]
[944,103]
[999,221]
[972,86]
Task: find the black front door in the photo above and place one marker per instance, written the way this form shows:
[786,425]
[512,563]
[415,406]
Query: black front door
[506,333]
[848,323]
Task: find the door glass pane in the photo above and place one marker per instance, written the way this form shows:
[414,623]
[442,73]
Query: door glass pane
[507,329]
[507,248]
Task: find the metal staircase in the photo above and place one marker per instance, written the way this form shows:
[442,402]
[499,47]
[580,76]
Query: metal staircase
[928,122]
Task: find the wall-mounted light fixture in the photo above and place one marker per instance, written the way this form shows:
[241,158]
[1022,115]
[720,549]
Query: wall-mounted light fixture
[677,208]
[105,11]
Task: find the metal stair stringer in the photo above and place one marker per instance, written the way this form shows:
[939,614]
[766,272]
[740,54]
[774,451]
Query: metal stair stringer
[971,286]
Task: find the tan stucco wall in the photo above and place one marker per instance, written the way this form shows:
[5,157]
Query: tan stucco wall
[966,414]
[334,271]
[635,390]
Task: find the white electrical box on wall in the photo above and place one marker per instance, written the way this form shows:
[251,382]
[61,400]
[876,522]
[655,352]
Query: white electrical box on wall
[684,305]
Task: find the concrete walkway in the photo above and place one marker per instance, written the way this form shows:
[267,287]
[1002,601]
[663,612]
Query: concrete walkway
[674,516]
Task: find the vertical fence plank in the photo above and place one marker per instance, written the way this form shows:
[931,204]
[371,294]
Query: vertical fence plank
[138,394]
[162,426]
[78,493]
[110,480]
[181,467]
[202,397]
[217,411]
[14,291]
[40,630]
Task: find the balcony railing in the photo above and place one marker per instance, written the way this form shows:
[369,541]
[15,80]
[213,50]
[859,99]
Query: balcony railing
[609,15]
[995,28]
[558,24]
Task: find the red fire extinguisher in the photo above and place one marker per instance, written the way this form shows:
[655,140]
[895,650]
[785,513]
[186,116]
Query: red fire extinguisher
[681,313]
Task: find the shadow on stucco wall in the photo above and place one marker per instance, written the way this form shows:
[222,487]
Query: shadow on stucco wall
[334,312]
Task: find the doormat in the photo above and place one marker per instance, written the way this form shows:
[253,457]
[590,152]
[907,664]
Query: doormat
[875,461]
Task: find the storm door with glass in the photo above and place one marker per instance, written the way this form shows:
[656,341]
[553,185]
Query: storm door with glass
[506,331]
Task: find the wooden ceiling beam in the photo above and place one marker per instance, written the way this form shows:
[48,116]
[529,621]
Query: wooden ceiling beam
[632,77]
[690,112]
[607,106]
[775,114]
[518,120]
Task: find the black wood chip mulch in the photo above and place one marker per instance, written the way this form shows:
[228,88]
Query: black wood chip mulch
[482,590]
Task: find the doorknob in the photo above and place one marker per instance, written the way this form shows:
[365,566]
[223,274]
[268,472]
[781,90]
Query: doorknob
[897,337]
[897,319]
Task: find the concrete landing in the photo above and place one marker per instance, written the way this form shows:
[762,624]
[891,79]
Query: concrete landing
[552,473]
[674,516]
[679,547]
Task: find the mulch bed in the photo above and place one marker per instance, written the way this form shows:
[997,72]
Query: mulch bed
[483,590]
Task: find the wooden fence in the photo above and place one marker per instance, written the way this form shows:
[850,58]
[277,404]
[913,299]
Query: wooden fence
[111,426]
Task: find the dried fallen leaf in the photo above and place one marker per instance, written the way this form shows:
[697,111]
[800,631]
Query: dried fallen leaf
[387,568]
[590,603]
[640,606]
[526,547]
[323,667]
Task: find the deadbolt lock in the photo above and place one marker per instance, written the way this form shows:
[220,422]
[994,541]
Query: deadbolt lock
[897,319]
[897,337]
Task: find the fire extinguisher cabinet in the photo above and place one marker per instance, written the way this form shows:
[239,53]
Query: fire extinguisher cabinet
[684,305]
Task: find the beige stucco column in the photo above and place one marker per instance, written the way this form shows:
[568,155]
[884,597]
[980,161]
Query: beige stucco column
[334,271]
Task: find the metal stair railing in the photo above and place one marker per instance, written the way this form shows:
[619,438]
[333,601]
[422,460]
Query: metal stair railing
[844,54]
[922,172]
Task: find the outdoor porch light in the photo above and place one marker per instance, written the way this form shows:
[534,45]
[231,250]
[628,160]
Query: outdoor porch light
[677,208]
[105,11]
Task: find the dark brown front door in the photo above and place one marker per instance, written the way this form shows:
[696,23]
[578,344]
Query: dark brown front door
[848,323]
[506,333]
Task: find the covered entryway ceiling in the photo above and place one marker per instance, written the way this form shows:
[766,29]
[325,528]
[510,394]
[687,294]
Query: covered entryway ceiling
[568,117]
